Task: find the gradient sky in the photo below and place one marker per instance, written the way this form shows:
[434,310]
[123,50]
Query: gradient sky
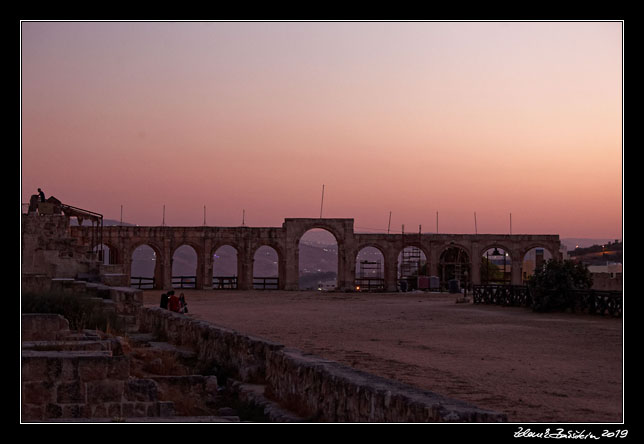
[408,117]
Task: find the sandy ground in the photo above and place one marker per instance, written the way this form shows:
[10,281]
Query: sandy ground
[534,367]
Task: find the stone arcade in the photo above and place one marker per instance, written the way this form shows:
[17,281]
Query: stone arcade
[164,240]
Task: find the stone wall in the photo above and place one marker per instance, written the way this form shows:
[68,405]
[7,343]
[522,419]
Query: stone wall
[69,374]
[312,387]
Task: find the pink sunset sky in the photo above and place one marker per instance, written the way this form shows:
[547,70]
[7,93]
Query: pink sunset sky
[409,117]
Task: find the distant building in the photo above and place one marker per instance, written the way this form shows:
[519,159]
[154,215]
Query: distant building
[606,277]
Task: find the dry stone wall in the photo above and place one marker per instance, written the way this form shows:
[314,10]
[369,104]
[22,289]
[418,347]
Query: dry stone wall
[312,387]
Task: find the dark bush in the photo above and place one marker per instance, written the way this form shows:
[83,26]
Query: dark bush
[551,286]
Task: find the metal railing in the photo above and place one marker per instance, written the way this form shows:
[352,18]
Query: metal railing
[266,283]
[600,302]
[224,282]
[142,283]
[184,281]
[370,284]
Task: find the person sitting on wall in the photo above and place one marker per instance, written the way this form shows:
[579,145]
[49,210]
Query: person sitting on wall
[164,301]
[182,304]
[42,195]
[173,302]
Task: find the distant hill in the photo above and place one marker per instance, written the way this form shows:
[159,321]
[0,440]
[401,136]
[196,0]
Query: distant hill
[573,242]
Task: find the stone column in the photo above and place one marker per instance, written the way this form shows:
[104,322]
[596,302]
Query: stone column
[291,267]
[166,276]
[516,271]
[475,272]
[391,270]
[208,265]
[342,282]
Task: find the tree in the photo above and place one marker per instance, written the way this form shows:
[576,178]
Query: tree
[551,286]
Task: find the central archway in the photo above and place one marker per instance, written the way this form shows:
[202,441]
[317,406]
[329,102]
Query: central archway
[318,260]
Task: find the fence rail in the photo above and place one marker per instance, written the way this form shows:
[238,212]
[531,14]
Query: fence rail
[370,284]
[601,302]
[184,281]
[266,283]
[142,283]
[224,282]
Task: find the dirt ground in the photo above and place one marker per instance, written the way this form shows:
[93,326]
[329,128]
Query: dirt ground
[535,367]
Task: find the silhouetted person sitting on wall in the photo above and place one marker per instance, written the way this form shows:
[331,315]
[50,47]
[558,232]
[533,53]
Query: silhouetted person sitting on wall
[164,301]
[42,195]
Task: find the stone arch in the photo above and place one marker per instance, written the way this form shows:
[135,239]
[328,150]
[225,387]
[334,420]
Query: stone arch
[323,276]
[495,269]
[136,265]
[184,274]
[226,275]
[370,272]
[110,255]
[455,262]
[529,263]
[270,277]
[409,268]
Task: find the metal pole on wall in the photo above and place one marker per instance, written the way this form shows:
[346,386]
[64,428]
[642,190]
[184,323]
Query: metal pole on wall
[121,214]
[389,225]
[322,203]
[163,222]
[476,231]
[510,223]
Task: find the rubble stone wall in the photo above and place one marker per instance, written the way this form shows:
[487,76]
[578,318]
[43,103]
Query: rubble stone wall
[313,387]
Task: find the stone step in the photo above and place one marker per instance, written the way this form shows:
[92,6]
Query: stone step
[253,395]
[180,352]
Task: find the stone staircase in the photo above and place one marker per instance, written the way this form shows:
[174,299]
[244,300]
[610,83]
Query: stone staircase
[87,376]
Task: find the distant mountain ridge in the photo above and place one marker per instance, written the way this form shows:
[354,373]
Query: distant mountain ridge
[573,242]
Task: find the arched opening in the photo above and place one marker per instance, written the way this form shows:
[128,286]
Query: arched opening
[318,260]
[265,269]
[104,254]
[454,269]
[370,270]
[184,267]
[412,264]
[533,259]
[224,268]
[145,269]
[496,266]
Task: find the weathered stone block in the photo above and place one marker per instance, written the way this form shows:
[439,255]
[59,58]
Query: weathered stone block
[141,390]
[70,392]
[93,369]
[104,391]
[39,392]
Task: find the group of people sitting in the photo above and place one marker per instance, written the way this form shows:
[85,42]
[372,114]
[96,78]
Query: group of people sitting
[172,302]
